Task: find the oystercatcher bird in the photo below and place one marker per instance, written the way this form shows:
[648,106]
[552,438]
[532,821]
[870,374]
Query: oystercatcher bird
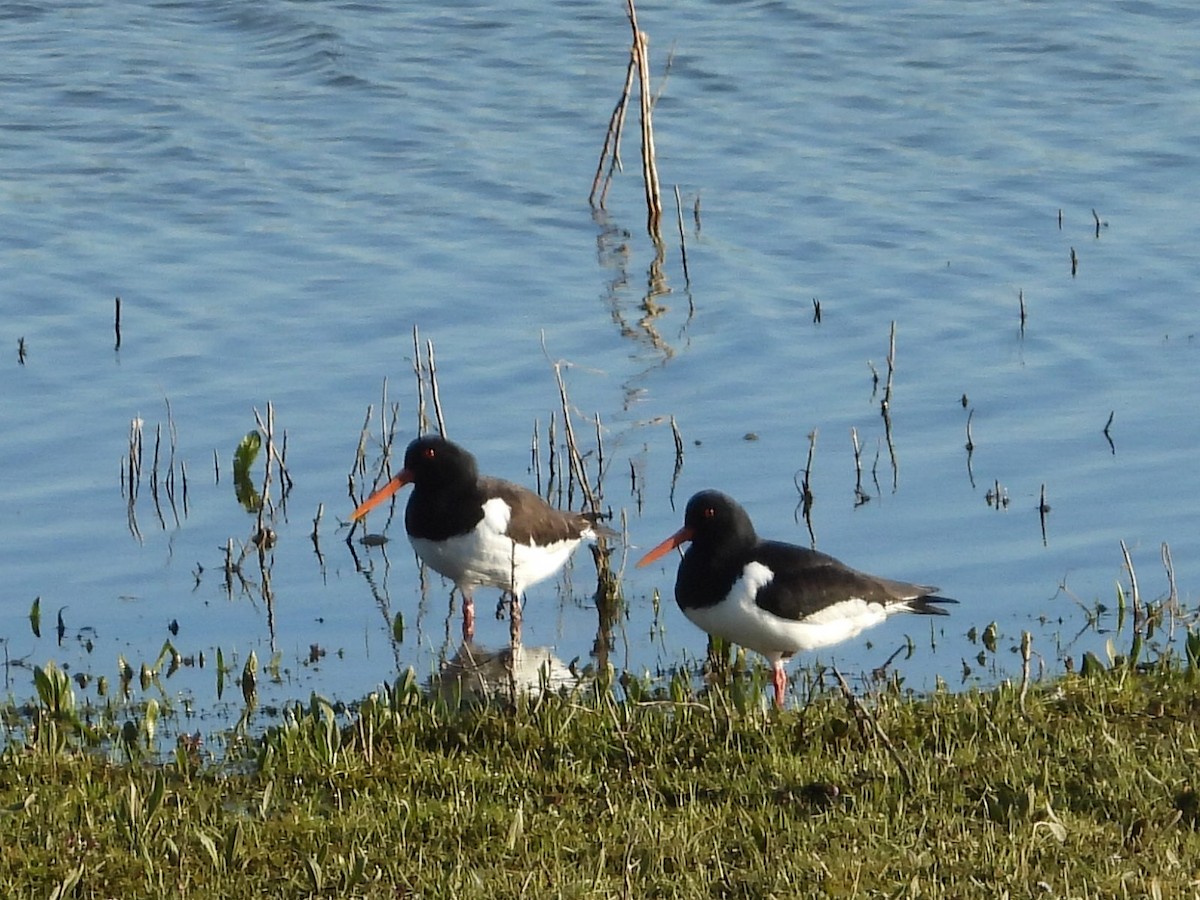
[477,530]
[773,597]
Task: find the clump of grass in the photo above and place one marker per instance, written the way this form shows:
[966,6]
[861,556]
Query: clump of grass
[1087,791]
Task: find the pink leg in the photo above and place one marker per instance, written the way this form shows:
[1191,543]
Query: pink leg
[780,682]
[468,616]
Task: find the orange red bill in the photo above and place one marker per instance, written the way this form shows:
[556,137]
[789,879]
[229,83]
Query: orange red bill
[380,495]
[682,536]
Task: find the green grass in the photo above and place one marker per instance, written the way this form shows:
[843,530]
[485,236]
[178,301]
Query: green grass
[1087,792]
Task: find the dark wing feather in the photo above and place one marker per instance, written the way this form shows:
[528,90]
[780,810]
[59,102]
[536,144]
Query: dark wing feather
[807,581]
[533,520]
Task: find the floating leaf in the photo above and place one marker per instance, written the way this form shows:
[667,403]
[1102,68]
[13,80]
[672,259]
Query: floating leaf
[35,617]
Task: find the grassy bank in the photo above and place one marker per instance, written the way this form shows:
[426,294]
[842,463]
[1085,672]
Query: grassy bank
[1086,792]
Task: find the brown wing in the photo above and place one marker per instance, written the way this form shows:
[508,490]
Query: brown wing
[533,520]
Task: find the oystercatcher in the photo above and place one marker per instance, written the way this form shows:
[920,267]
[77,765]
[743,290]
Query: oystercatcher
[477,530]
[773,597]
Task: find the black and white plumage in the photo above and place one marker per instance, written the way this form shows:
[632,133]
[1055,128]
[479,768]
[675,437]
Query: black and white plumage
[477,530]
[775,598]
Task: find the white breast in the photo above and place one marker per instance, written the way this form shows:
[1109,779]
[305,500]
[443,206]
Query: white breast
[739,619]
[488,556]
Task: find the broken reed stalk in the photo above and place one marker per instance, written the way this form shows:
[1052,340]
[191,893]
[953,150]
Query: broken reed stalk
[574,457]
[154,462]
[639,58]
[1026,656]
[863,715]
[860,496]
[535,460]
[612,140]
[134,468]
[649,165]
[433,389]
[117,324]
[1135,595]
[599,448]
[268,432]
[891,364]
[682,241]
[278,452]
[886,408]
[131,476]
[1043,508]
[422,417]
[317,527]
[359,466]
[1021,300]
[804,486]
[173,436]
[383,436]
[552,479]
[1172,591]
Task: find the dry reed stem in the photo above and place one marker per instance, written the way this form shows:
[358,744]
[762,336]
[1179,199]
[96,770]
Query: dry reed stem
[612,139]
[433,389]
[1026,656]
[682,240]
[860,496]
[535,460]
[1043,508]
[649,164]
[639,58]
[804,486]
[422,417]
[1172,591]
[117,324]
[886,407]
[268,431]
[574,457]
[863,715]
[891,364]
[1135,595]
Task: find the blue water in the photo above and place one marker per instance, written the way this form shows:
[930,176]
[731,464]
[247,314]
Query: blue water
[280,192]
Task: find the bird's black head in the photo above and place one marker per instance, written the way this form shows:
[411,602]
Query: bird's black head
[716,519]
[433,459]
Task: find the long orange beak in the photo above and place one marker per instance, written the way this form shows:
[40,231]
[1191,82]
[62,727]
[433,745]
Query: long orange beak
[405,477]
[682,536]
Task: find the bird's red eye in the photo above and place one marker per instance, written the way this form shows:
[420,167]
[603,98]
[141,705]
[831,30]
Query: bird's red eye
[430,453]
[709,512]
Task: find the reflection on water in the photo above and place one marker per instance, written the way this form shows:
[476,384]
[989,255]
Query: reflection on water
[477,674]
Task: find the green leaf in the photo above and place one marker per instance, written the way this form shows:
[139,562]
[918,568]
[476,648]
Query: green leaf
[35,617]
[243,461]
